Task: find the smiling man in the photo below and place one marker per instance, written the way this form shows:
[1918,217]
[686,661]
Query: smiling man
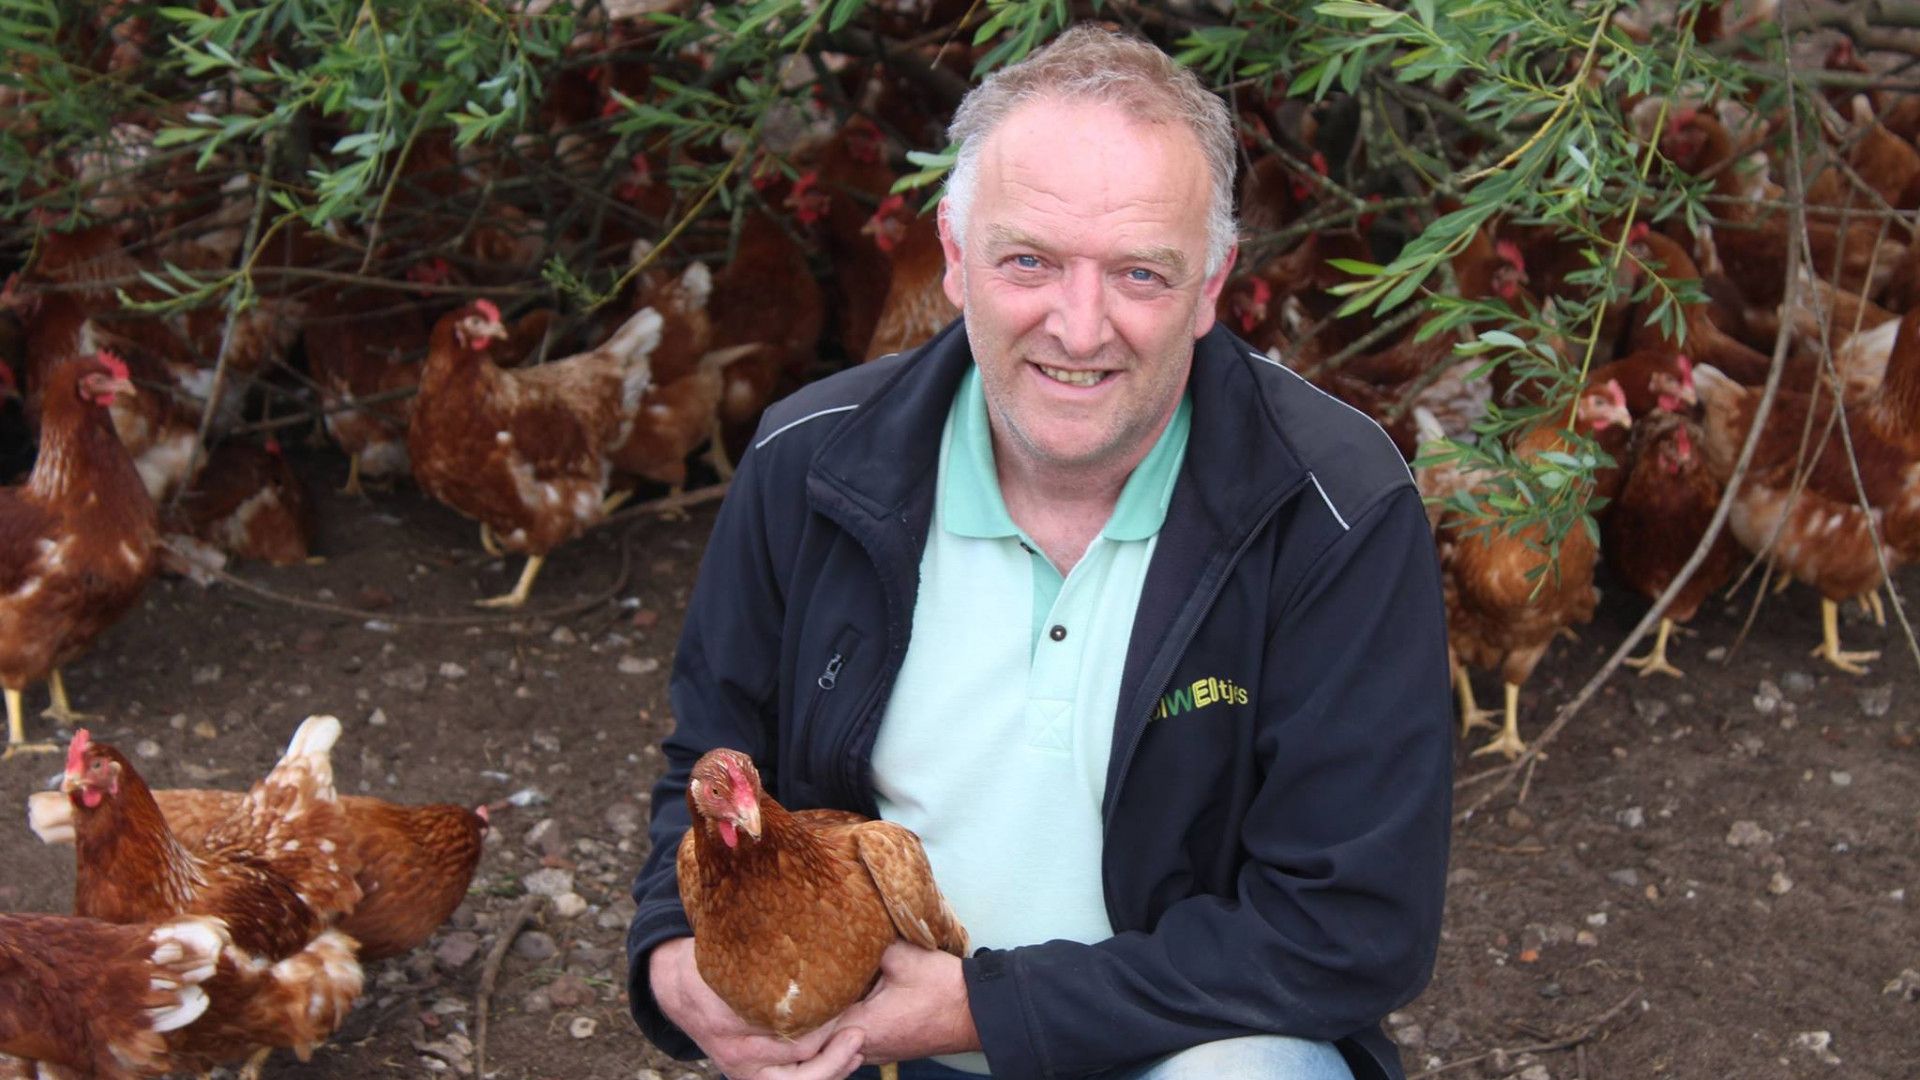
[1137,630]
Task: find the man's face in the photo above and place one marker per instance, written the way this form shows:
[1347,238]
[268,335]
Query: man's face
[1083,281]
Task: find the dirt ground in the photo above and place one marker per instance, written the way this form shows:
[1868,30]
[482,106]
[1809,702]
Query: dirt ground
[1708,878]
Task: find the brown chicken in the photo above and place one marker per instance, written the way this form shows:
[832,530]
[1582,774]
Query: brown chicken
[1826,537]
[413,862]
[355,355]
[791,909]
[91,998]
[76,542]
[916,307]
[1652,527]
[248,502]
[1505,601]
[274,871]
[524,451]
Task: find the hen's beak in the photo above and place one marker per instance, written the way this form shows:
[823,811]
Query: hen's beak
[121,386]
[747,818]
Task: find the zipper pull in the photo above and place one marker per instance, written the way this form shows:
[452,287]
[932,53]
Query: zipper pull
[831,676]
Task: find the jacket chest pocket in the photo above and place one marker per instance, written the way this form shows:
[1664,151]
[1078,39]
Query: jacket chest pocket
[829,686]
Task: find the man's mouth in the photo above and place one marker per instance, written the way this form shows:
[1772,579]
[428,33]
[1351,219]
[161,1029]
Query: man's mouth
[1072,378]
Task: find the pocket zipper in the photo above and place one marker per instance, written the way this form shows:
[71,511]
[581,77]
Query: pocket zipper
[831,676]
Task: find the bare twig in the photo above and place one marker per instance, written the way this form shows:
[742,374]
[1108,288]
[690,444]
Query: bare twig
[516,920]
[1583,1034]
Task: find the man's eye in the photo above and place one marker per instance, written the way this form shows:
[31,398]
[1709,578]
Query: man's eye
[1027,262]
[1142,275]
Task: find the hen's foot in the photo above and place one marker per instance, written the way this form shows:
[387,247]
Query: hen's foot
[1829,648]
[62,711]
[16,748]
[1656,661]
[518,597]
[1507,744]
[352,486]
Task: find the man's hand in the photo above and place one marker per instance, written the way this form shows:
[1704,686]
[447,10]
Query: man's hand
[742,1051]
[917,1009]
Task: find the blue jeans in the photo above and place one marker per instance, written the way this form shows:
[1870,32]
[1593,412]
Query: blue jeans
[1251,1057]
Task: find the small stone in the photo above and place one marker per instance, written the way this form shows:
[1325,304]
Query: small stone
[1841,778]
[639,665]
[544,838]
[456,949]
[1717,654]
[1876,700]
[563,636]
[1653,891]
[536,945]
[570,991]
[1819,1044]
[204,729]
[1796,682]
[625,818]
[1905,986]
[1535,1072]
[526,797]
[377,718]
[1650,710]
[537,1002]
[648,1074]
[411,677]
[569,905]
[1519,819]
[1767,699]
[1627,877]
[1411,1036]
[147,748]
[583,1027]
[1780,884]
[549,882]
[206,674]
[1586,939]
[1443,1035]
[1633,817]
[178,721]
[451,670]
[1598,918]
[1748,834]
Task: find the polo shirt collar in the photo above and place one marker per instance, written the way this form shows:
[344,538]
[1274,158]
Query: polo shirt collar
[970,501]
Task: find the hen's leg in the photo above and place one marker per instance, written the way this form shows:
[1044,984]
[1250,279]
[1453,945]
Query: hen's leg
[62,710]
[488,543]
[518,596]
[717,450]
[17,731]
[1871,602]
[251,1070]
[1657,659]
[613,502]
[352,486]
[1829,647]
[1471,714]
[1508,741]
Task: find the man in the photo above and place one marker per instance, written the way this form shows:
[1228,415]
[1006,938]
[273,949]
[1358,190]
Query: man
[1141,633]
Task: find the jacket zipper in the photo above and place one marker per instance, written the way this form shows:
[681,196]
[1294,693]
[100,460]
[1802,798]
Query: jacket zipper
[1186,639]
[831,676]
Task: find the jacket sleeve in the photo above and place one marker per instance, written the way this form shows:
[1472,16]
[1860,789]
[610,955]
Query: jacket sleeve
[1335,916]
[722,691]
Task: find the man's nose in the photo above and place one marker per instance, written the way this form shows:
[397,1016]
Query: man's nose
[1079,321]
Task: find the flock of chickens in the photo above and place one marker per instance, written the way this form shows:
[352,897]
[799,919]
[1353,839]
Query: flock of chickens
[211,927]
[1832,494]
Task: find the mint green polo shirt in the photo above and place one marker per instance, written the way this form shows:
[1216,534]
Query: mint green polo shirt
[994,744]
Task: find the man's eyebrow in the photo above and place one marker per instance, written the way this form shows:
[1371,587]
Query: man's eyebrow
[1004,236]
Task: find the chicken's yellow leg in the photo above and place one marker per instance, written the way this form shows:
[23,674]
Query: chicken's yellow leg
[61,710]
[1871,602]
[488,543]
[1471,714]
[717,450]
[614,501]
[1657,659]
[1508,741]
[518,596]
[1829,647]
[352,486]
[17,730]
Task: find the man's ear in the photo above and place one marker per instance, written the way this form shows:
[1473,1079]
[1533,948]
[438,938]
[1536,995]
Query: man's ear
[1204,315]
[952,281]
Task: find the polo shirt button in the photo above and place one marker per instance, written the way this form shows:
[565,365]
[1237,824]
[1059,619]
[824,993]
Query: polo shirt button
[1058,633]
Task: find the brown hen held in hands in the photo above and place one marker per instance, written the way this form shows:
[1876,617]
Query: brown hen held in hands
[792,909]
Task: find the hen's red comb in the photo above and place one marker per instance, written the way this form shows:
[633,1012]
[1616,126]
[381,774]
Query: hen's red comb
[1638,232]
[487,308]
[1510,252]
[114,364]
[1686,368]
[1617,395]
[77,750]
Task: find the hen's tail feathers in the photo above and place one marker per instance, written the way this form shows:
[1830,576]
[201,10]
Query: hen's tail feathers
[314,989]
[185,954]
[50,815]
[637,337]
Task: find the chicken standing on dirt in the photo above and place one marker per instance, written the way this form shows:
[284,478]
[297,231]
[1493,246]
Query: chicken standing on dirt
[791,909]
[275,871]
[76,542]
[95,997]
[525,452]
[413,863]
[1506,601]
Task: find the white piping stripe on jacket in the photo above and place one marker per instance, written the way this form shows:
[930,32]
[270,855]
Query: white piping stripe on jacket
[1342,404]
[796,423]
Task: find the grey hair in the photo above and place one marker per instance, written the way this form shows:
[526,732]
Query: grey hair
[1087,63]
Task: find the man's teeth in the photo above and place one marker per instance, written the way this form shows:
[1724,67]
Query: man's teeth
[1072,378]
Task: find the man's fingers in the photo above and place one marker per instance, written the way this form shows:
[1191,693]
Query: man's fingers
[837,1059]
